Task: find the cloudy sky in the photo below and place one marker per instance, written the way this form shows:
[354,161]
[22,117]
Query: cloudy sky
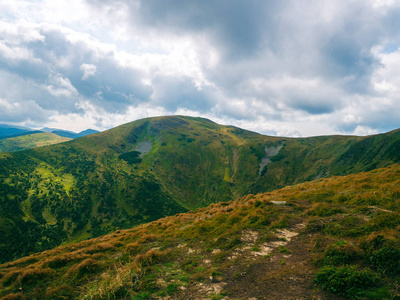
[291,68]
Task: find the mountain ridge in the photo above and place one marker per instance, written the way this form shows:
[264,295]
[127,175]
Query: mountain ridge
[29,140]
[15,131]
[150,168]
[333,238]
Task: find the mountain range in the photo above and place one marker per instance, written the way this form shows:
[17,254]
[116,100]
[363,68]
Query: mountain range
[15,138]
[7,131]
[143,171]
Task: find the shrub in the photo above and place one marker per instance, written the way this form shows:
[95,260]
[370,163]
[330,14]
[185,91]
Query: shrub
[386,260]
[283,249]
[231,243]
[282,222]
[384,220]
[142,296]
[171,288]
[346,281]
[352,226]
[132,157]
[341,253]
[316,225]
[383,254]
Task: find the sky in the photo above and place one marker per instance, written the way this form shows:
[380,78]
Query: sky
[287,68]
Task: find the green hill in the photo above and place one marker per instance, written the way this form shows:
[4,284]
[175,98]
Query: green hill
[30,141]
[155,167]
[334,238]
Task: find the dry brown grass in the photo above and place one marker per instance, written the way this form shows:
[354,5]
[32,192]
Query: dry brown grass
[21,262]
[149,258]
[63,291]
[88,266]
[17,296]
[102,247]
[133,247]
[32,276]
[9,278]
[205,229]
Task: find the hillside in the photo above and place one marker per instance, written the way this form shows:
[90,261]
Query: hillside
[331,238]
[10,130]
[155,167]
[31,140]
[71,134]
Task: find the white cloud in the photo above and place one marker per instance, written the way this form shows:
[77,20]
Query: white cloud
[364,130]
[289,68]
[61,86]
[88,70]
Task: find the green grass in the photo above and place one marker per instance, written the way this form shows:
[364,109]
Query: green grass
[166,256]
[31,141]
[97,184]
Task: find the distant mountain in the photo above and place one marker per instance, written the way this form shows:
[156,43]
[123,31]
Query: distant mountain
[48,129]
[87,132]
[148,169]
[10,130]
[69,134]
[29,140]
[16,138]
[7,131]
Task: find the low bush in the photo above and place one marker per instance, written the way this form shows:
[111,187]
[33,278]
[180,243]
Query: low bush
[384,220]
[132,157]
[342,253]
[386,260]
[347,281]
[352,226]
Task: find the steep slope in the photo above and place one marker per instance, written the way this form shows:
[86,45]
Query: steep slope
[331,238]
[151,168]
[31,140]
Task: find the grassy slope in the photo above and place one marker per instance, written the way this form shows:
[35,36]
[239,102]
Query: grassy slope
[82,189]
[281,244]
[30,141]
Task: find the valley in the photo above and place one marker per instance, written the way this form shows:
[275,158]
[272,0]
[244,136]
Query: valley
[334,238]
[196,204]
[151,168]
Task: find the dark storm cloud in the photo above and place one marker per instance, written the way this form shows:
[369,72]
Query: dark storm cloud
[240,60]
[274,38]
[236,26]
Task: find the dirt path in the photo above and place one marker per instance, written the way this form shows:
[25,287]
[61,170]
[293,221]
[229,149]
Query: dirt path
[280,267]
